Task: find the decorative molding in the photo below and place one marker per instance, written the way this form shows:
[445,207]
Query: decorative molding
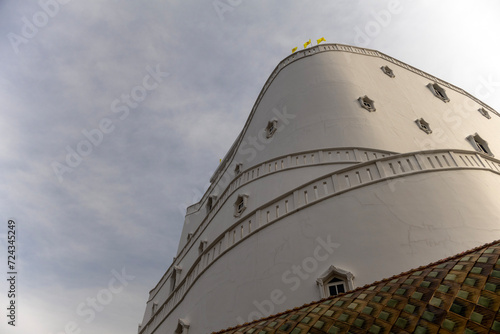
[396,166]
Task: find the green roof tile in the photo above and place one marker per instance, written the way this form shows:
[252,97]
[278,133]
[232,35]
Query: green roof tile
[401,322]
[490,287]
[344,317]
[451,277]
[435,301]
[392,303]
[476,270]
[358,322]
[458,267]
[425,284]
[333,330]
[484,301]
[409,308]
[483,259]
[384,315]
[470,281]
[367,310]
[377,299]
[329,313]
[463,294]
[448,324]
[352,306]
[429,316]
[296,330]
[433,274]
[496,326]
[306,320]
[374,329]
[444,288]
[420,330]
[476,317]
[319,324]
[417,295]
[495,273]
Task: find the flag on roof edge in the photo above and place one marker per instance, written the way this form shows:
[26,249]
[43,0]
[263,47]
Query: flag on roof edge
[322,39]
[294,49]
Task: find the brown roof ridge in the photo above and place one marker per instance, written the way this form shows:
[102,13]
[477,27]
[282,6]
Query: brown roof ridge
[366,286]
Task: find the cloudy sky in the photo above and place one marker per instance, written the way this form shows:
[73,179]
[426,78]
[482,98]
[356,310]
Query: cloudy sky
[114,114]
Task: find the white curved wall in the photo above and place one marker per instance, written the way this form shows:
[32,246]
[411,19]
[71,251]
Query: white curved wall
[383,226]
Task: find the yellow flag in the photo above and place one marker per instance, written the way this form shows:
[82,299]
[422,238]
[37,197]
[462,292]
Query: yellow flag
[307,43]
[294,49]
[322,39]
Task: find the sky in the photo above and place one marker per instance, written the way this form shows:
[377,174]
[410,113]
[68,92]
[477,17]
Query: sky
[114,115]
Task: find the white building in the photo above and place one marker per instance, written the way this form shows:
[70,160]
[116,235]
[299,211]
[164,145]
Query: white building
[351,167]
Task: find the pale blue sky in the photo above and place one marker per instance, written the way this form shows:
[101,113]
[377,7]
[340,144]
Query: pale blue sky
[122,205]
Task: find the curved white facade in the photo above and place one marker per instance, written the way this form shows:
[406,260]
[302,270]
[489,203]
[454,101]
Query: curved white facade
[322,181]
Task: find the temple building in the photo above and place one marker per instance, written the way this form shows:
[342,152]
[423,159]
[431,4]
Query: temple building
[341,207]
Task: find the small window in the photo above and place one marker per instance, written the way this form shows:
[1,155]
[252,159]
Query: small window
[210,202]
[271,127]
[423,125]
[484,112]
[240,205]
[202,247]
[387,70]
[367,103]
[336,286]
[335,281]
[154,308]
[238,168]
[189,236]
[173,278]
[182,327]
[438,92]
[479,144]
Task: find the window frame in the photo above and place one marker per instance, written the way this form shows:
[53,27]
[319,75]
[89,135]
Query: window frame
[388,71]
[333,272]
[423,125]
[366,103]
[480,144]
[271,127]
[240,204]
[438,92]
[484,112]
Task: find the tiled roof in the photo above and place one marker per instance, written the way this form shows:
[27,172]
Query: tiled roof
[460,294]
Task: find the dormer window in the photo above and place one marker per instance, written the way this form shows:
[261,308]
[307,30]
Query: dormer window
[271,128]
[438,92]
[335,281]
[240,205]
[238,168]
[367,103]
[484,112]
[479,144]
[423,125]
[387,70]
